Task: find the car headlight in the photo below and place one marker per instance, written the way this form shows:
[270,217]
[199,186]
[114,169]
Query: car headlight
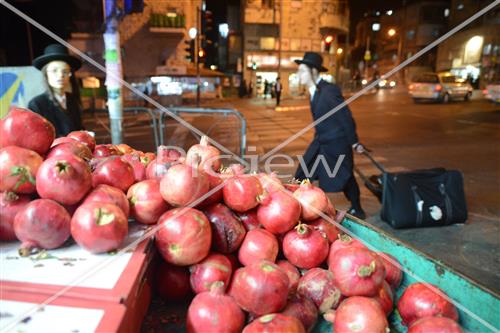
[382,83]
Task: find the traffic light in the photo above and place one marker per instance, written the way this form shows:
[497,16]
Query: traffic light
[190,49]
[328,43]
[201,55]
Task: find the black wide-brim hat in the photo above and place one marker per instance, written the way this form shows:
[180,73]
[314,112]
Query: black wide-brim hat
[313,59]
[55,52]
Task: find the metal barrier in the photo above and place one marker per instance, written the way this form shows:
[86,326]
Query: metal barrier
[204,111]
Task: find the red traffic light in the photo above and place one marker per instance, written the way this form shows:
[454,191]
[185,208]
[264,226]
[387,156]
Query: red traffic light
[329,39]
[201,53]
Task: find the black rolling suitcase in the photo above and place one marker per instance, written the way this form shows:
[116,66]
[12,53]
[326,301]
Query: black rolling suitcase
[419,198]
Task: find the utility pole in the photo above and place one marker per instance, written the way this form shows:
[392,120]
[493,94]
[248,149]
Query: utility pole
[279,40]
[197,55]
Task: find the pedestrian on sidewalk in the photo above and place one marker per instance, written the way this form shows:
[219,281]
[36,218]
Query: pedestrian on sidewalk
[335,136]
[277,90]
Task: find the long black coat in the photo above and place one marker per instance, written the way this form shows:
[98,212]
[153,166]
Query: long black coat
[334,137]
[63,121]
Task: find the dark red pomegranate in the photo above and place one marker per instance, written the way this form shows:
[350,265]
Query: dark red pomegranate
[260,288]
[115,172]
[303,309]
[278,212]
[10,205]
[65,179]
[305,247]
[84,137]
[212,311]
[62,139]
[105,150]
[357,272]
[270,182]
[18,168]
[204,155]
[275,323]
[435,325]
[344,241]
[317,285]
[330,210]
[146,202]
[292,185]
[393,272]
[422,300]
[183,185]
[241,192]
[227,230]
[184,236]
[76,148]
[258,244]
[215,267]
[172,282]
[385,297]
[99,227]
[249,219]
[137,165]
[214,181]
[109,194]
[26,129]
[312,199]
[293,275]
[326,228]
[359,314]
[168,154]
[41,224]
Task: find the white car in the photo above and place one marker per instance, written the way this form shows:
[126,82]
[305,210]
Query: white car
[492,92]
[439,87]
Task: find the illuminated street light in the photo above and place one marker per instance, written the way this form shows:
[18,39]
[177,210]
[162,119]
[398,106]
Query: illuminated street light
[391,32]
[376,26]
[389,12]
[340,50]
[192,33]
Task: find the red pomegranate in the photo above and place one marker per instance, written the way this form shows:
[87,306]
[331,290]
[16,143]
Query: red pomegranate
[214,181]
[109,194]
[26,129]
[385,297]
[84,137]
[317,285]
[146,202]
[393,275]
[168,154]
[326,228]
[10,205]
[41,224]
[241,192]
[359,314]
[76,148]
[124,148]
[275,323]
[270,182]
[183,185]
[156,169]
[344,241]
[62,139]
[330,210]
[137,164]
[435,325]
[65,179]
[292,185]
[278,212]
[215,267]
[260,288]
[258,244]
[172,282]
[293,275]
[303,309]
[227,230]
[305,247]
[249,219]
[357,272]
[18,168]
[312,199]
[212,311]
[422,300]
[105,150]
[184,236]
[204,155]
[115,172]
[99,227]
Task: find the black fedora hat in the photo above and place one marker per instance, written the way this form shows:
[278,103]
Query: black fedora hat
[57,52]
[312,59]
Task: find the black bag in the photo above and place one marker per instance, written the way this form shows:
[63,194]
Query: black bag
[423,198]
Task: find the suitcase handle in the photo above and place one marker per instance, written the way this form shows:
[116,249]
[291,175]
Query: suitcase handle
[377,164]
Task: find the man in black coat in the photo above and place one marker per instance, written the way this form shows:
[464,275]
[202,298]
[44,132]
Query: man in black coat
[335,136]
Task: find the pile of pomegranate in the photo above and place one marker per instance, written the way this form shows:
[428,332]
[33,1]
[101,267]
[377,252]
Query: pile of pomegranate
[256,254]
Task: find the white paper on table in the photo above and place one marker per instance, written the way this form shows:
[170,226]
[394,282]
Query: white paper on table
[64,266]
[51,318]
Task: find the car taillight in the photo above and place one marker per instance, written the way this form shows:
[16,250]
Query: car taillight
[438,87]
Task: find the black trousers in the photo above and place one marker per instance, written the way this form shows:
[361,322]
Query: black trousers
[352,193]
[278,97]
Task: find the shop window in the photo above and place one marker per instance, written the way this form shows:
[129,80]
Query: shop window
[267,43]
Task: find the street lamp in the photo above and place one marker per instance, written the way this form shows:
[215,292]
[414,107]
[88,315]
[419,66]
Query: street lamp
[339,51]
[192,33]
[391,32]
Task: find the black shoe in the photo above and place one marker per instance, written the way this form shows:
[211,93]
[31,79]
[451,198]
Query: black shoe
[359,213]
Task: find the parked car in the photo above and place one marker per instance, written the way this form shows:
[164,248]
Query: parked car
[441,87]
[492,92]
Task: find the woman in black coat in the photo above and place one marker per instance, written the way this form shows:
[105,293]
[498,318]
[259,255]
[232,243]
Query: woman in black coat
[60,104]
[335,136]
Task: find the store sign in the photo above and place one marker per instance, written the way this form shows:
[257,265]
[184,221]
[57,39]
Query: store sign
[18,85]
[171,70]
